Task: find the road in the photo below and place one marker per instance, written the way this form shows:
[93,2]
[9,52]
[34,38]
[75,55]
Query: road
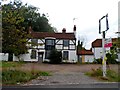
[95,86]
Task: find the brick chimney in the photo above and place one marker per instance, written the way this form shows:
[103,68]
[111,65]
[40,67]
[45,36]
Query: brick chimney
[64,30]
[74,30]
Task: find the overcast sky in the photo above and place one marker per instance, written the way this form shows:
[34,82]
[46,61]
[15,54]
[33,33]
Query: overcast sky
[86,12]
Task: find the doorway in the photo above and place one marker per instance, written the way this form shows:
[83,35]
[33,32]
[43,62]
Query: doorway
[40,56]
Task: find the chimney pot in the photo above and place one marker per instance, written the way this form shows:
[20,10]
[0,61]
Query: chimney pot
[74,28]
[64,30]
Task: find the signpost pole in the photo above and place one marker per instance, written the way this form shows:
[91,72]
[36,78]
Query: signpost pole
[103,43]
[104,55]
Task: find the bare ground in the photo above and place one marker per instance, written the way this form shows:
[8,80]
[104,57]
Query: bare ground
[65,67]
[63,73]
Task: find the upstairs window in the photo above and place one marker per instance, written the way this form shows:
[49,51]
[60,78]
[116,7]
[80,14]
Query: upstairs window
[65,43]
[34,41]
[50,42]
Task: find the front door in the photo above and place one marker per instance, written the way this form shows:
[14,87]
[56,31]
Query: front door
[40,56]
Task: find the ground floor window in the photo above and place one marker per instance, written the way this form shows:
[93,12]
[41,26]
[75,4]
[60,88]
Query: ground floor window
[33,54]
[65,55]
[47,54]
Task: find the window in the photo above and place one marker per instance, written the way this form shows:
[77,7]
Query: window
[65,43]
[49,44]
[34,41]
[33,54]
[65,55]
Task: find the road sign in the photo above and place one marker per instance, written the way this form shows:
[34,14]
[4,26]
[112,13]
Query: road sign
[108,43]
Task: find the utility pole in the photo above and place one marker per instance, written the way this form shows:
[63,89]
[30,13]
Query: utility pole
[103,43]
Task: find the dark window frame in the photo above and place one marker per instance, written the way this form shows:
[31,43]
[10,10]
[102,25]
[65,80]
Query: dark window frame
[49,46]
[33,54]
[65,55]
[65,43]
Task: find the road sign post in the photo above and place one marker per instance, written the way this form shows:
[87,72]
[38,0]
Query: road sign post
[103,43]
[104,55]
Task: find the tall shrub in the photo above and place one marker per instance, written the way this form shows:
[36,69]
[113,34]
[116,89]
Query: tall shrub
[55,56]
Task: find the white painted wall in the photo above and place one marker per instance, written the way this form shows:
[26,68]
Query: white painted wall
[3,57]
[72,56]
[72,42]
[89,58]
[97,52]
[119,57]
[59,46]
[59,41]
[24,57]
[72,46]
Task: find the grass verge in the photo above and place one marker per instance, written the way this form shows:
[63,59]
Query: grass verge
[111,76]
[5,64]
[12,77]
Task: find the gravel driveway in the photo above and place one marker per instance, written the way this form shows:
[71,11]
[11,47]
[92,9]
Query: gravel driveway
[63,74]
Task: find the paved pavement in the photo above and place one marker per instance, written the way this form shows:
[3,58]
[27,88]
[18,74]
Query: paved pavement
[65,75]
[62,78]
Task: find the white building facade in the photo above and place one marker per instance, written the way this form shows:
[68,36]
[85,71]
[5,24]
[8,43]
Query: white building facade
[97,48]
[44,42]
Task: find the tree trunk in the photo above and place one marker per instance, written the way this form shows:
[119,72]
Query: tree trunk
[10,57]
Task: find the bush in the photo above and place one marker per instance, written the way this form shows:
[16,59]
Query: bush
[98,61]
[110,76]
[55,57]
[111,58]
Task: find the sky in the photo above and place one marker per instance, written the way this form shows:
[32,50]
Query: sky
[86,13]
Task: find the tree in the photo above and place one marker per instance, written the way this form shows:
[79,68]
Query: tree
[14,35]
[16,18]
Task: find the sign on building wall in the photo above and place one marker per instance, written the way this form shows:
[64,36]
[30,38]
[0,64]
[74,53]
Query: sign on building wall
[108,43]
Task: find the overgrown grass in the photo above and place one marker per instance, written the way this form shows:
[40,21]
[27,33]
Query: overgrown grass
[111,76]
[11,77]
[10,64]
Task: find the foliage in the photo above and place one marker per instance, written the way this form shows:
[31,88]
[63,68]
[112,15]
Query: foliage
[16,18]
[80,46]
[11,64]
[17,76]
[112,55]
[111,75]
[55,56]
[98,61]
[14,35]
[111,58]
[118,44]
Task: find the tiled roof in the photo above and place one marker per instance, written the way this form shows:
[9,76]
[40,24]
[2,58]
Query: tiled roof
[54,35]
[84,52]
[98,42]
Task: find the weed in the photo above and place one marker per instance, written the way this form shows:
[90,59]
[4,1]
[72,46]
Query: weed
[17,76]
[110,76]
